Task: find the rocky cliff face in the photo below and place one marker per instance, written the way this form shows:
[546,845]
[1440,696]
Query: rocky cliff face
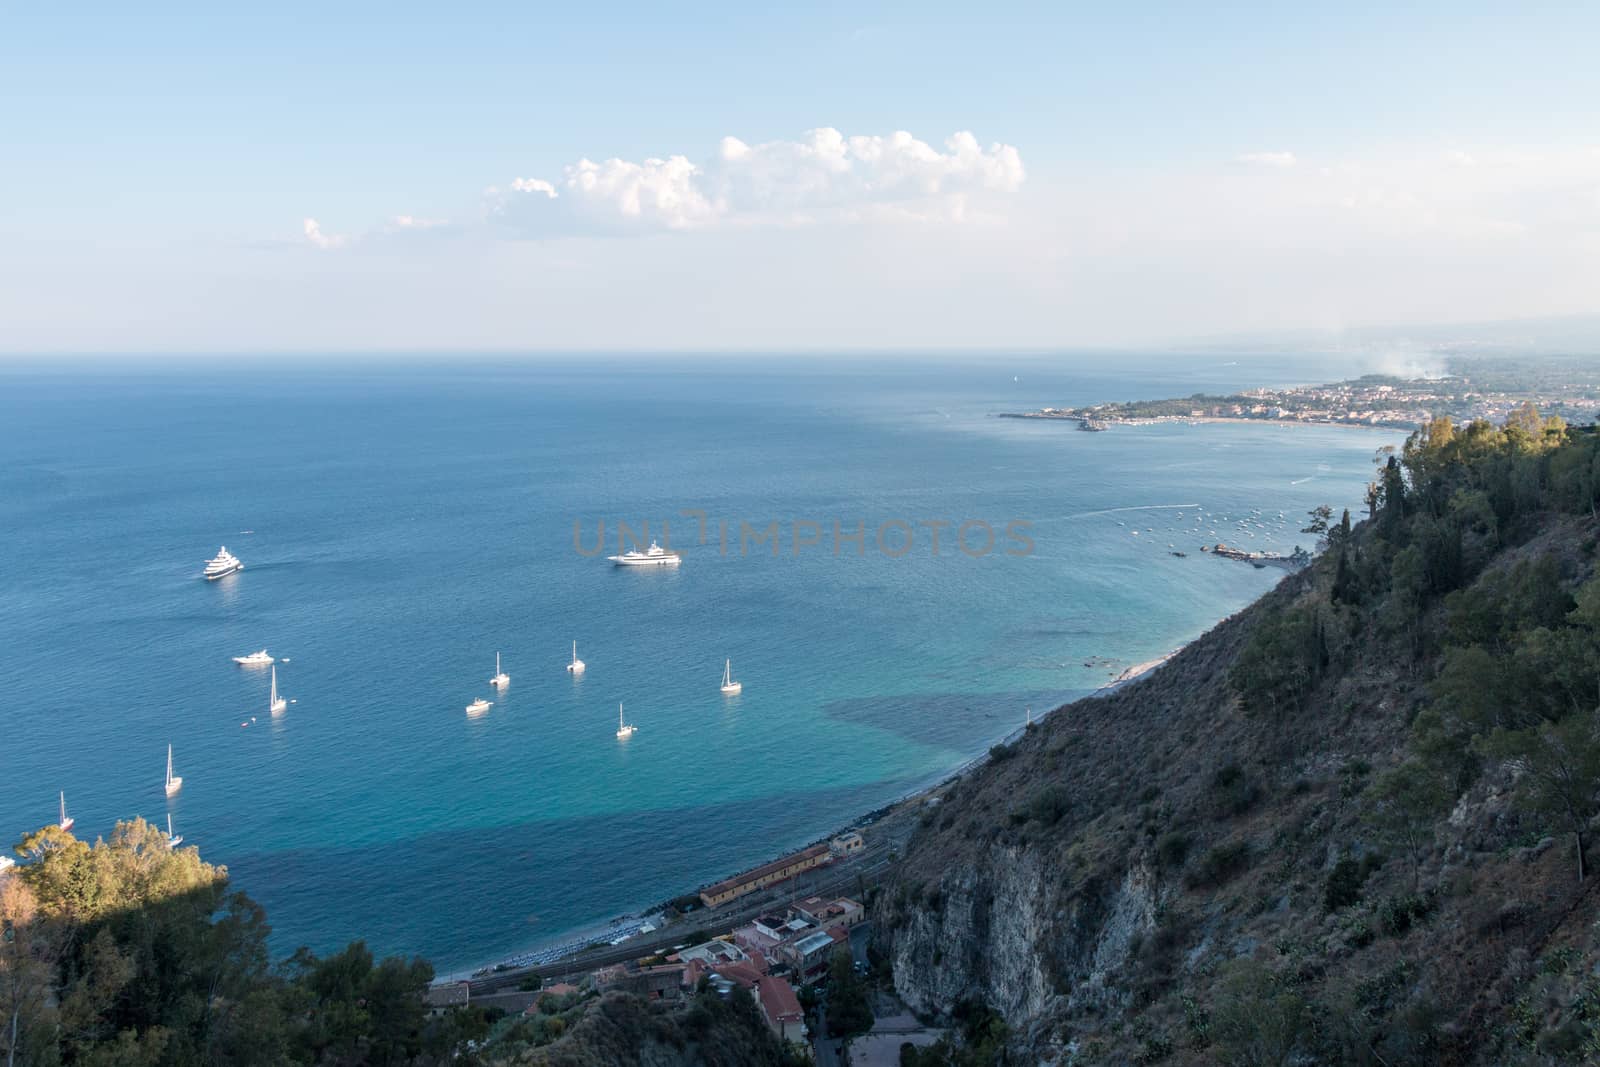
[1145,870]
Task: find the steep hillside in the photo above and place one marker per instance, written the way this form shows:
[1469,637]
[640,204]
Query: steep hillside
[620,1030]
[1343,826]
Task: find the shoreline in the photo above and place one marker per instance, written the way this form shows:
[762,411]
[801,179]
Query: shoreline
[1194,420]
[573,943]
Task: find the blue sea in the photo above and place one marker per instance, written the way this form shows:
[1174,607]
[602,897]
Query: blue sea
[402,521]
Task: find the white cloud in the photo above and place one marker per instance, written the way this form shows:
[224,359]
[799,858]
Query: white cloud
[1278,160]
[823,176]
[396,226]
[315,236]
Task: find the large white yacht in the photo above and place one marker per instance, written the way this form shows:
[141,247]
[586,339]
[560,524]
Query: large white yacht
[576,666]
[67,821]
[224,564]
[501,679]
[654,556]
[254,659]
[624,729]
[173,840]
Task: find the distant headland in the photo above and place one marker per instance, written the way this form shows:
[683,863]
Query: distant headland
[1474,389]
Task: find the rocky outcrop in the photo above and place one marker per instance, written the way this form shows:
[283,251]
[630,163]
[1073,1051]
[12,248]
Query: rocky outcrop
[1144,863]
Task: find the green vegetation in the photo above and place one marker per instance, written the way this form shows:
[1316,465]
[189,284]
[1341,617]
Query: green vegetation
[1363,819]
[127,952]
[849,1012]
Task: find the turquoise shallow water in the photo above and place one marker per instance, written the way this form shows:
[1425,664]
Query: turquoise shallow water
[405,523]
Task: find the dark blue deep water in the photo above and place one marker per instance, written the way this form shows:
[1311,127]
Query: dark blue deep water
[400,523]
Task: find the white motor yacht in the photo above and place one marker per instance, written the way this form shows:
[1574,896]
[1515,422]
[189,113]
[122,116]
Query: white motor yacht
[654,556]
[222,564]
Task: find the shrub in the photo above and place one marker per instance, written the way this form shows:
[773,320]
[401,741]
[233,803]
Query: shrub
[1234,791]
[1219,864]
[1399,913]
[1048,805]
[1343,886]
[1172,849]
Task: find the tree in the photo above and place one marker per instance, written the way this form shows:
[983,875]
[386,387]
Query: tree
[27,1019]
[1406,802]
[1319,519]
[849,1013]
[1260,1019]
[1562,764]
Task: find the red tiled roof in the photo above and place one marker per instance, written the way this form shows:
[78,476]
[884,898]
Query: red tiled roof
[741,973]
[778,999]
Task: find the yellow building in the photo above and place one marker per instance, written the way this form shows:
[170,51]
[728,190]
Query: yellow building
[765,875]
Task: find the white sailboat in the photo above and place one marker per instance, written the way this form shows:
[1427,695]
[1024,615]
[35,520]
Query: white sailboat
[624,729]
[576,666]
[276,703]
[173,840]
[67,821]
[501,679]
[174,782]
[729,686]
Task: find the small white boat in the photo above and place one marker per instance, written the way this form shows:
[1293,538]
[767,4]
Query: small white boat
[276,703]
[174,781]
[173,840]
[501,679]
[576,666]
[729,686]
[254,659]
[222,564]
[67,821]
[654,556]
[624,729]
[479,706]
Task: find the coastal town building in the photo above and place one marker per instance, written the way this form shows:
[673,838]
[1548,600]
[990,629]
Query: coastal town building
[446,997]
[781,927]
[809,955]
[714,952]
[825,913]
[767,874]
[846,845]
[662,981]
[781,1008]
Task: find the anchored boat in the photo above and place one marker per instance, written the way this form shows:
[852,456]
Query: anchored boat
[174,781]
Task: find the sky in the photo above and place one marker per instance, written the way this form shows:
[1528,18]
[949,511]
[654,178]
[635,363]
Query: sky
[536,177]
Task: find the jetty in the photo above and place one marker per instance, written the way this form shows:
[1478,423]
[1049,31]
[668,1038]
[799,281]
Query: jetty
[1293,561]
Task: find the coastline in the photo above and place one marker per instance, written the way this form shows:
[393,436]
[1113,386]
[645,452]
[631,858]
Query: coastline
[1194,420]
[568,946]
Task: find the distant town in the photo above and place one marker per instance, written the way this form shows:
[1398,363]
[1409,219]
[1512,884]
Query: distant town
[1473,389]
